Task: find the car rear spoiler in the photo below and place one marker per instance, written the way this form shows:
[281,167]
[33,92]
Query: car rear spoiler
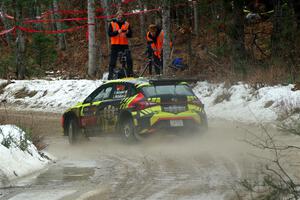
[171,81]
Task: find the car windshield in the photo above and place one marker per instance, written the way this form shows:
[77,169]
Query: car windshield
[158,90]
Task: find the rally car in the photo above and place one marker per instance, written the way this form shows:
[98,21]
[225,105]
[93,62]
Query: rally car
[135,107]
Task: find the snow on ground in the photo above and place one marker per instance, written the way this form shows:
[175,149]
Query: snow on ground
[18,156]
[242,102]
[239,102]
[48,96]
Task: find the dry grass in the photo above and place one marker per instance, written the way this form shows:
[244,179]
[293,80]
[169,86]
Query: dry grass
[29,123]
[270,76]
[287,109]
[39,142]
[268,104]
[24,93]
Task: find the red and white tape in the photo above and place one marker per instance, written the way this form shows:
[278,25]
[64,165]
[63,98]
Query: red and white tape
[29,30]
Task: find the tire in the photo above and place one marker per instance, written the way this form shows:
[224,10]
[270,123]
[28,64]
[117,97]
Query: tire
[128,131]
[204,126]
[73,131]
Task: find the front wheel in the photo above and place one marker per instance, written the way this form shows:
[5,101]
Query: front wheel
[73,131]
[128,131]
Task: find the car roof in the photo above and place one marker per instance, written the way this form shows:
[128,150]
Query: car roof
[153,81]
[134,81]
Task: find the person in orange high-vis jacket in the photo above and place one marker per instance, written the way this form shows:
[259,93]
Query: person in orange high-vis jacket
[119,31]
[155,39]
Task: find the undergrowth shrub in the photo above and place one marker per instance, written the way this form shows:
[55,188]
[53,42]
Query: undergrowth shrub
[6,62]
[291,125]
[35,138]
[225,96]
[274,178]
[287,109]
[23,142]
[43,48]
[6,141]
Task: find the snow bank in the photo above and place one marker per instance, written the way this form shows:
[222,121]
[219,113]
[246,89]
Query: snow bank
[18,156]
[48,96]
[242,102]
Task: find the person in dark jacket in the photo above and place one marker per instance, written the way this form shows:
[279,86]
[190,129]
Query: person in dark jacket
[119,31]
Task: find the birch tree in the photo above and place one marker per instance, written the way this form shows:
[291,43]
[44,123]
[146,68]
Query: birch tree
[166,29]
[20,41]
[104,4]
[92,68]
[196,18]
[142,20]
[238,33]
[61,37]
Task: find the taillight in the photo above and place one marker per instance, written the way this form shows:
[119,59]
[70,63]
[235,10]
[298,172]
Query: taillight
[62,121]
[140,103]
[197,102]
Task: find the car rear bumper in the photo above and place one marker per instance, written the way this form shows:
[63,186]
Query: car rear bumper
[163,121]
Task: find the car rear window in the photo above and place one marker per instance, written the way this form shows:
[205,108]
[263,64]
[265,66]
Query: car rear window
[158,90]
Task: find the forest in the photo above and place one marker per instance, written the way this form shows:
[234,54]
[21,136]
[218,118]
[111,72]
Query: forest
[220,40]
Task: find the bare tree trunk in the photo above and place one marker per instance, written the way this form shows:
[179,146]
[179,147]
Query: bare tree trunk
[166,28]
[36,11]
[106,13]
[177,20]
[92,68]
[196,18]
[238,36]
[188,23]
[20,44]
[4,21]
[142,20]
[277,28]
[61,37]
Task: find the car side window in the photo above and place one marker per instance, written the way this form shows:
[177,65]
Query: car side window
[120,91]
[104,94]
[133,90]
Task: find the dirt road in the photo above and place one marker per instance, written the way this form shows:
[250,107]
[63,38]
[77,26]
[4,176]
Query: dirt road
[161,167]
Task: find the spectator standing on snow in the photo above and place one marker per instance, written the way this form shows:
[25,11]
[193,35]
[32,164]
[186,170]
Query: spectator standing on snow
[119,32]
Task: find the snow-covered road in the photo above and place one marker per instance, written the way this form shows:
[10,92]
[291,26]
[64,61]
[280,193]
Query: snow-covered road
[203,167]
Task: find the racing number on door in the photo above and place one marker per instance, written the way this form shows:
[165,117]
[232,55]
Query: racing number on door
[110,110]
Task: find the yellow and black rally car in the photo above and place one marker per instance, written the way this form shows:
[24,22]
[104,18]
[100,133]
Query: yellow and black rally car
[135,107]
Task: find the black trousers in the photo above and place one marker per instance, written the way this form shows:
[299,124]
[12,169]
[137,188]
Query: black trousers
[115,50]
[158,65]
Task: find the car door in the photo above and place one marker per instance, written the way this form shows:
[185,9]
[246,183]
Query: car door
[109,111]
[91,106]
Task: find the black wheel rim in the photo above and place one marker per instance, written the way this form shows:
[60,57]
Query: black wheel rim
[127,131]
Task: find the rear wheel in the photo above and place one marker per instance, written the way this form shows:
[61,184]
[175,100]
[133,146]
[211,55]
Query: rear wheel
[128,131]
[200,128]
[204,126]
